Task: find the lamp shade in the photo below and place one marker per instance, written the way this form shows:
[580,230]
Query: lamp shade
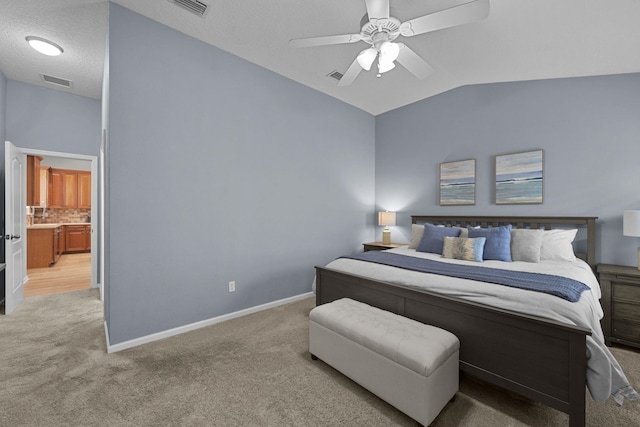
[384,66]
[389,51]
[386,218]
[366,58]
[631,223]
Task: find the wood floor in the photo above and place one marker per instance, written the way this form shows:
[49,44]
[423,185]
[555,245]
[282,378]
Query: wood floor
[72,272]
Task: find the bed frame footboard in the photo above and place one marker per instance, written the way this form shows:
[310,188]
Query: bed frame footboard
[536,358]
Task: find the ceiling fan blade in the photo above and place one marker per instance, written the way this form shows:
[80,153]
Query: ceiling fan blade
[351,74]
[462,14]
[377,9]
[325,40]
[412,62]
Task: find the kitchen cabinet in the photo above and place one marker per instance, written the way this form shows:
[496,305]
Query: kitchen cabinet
[55,185]
[44,187]
[77,238]
[33,181]
[69,189]
[43,246]
[84,190]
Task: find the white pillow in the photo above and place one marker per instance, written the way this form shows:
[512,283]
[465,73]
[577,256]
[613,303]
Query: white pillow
[556,245]
[417,230]
[526,244]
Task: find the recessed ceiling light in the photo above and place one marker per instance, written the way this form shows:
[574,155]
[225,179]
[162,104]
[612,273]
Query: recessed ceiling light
[44,46]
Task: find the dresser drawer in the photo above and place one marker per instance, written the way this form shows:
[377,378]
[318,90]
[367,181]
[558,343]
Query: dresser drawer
[626,330]
[626,311]
[626,292]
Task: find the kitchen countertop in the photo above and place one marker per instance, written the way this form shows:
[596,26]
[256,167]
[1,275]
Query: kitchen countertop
[55,225]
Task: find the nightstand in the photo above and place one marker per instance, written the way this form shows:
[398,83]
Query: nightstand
[620,287]
[379,246]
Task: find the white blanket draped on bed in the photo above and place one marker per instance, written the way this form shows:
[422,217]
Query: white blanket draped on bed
[604,375]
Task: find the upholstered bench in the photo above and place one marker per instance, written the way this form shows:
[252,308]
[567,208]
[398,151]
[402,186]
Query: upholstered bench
[412,366]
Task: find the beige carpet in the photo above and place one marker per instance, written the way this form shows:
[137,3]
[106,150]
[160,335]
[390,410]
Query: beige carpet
[251,371]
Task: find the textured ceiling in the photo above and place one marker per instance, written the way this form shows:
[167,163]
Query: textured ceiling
[79,26]
[520,40]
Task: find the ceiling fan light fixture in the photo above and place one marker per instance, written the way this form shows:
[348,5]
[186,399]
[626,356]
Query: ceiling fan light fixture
[384,66]
[379,29]
[389,51]
[366,58]
[44,46]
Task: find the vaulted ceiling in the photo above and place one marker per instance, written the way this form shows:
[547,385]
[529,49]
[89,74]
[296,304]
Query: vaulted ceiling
[519,40]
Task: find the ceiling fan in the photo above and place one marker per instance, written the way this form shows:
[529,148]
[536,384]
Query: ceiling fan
[380,30]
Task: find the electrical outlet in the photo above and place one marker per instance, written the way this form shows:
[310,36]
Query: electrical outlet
[232,286]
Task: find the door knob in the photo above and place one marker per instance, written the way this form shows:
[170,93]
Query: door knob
[12,236]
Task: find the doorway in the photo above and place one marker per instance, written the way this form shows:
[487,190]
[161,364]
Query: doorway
[74,268]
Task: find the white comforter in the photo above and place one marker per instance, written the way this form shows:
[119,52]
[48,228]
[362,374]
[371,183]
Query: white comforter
[604,374]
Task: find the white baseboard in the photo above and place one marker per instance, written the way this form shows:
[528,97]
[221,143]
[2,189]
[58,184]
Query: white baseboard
[197,325]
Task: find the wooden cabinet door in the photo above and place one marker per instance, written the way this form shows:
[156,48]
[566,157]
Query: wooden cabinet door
[33,180]
[40,243]
[55,189]
[75,238]
[84,190]
[70,190]
[44,187]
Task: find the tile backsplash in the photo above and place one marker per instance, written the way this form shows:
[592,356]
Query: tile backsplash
[61,216]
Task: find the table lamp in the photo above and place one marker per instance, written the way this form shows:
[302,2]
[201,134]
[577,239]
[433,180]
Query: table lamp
[631,227]
[386,218]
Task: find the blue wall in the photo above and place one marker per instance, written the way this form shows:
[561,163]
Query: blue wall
[220,170]
[52,120]
[589,129]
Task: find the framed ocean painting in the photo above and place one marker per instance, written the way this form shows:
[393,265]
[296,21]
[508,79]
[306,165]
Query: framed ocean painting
[458,183]
[519,178]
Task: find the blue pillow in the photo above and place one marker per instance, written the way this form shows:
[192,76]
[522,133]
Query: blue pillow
[498,244]
[433,238]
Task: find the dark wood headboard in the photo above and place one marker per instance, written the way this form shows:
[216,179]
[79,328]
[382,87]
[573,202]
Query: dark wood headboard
[546,222]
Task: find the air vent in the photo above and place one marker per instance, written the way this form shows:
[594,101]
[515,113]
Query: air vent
[336,75]
[193,6]
[56,81]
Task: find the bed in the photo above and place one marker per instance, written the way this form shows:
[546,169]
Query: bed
[542,358]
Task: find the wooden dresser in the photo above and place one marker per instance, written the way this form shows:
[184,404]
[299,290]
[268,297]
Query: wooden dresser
[621,303]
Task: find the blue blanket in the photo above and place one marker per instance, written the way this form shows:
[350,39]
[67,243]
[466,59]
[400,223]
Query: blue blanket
[559,286]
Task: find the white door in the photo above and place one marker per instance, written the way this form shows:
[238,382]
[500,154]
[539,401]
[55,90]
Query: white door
[15,227]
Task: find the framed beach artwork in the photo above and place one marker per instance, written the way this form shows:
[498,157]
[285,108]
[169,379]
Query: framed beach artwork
[458,183]
[519,178]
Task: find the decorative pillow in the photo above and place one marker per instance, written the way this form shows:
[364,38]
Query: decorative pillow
[433,238]
[525,244]
[416,234]
[557,245]
[464,232]
[463,248]
[498,245]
